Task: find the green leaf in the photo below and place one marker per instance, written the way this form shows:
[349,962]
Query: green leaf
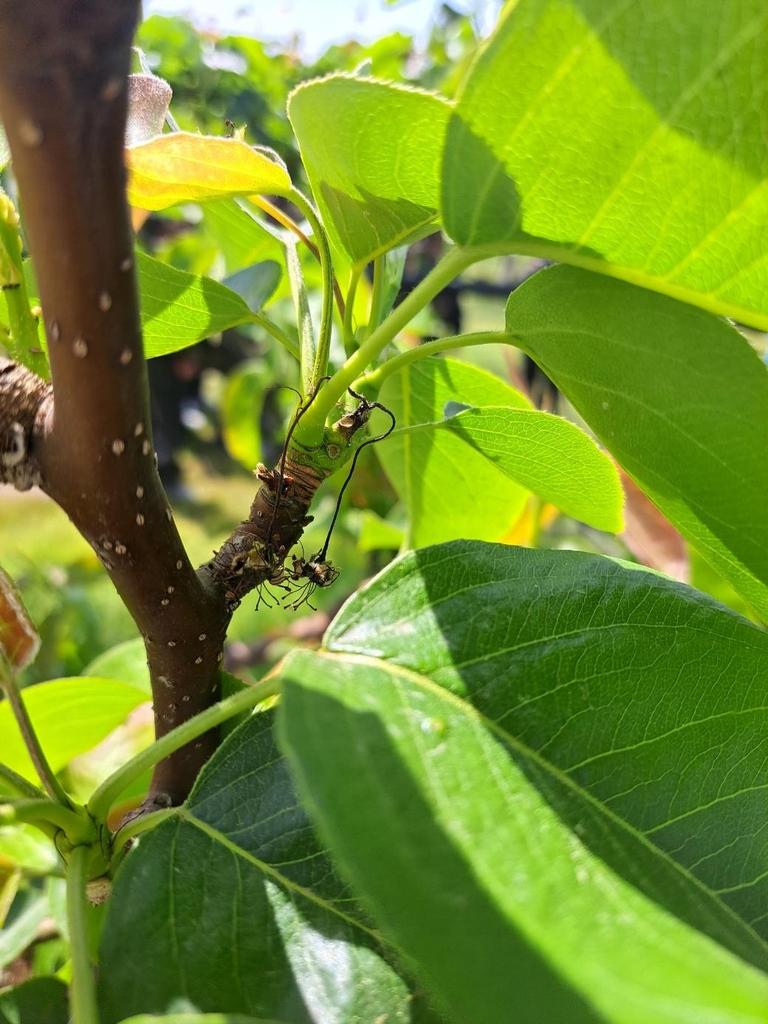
[574,139]
[642,693]
[29,910]
[237,236]
[37,1001]
[179,309]
[183,168]
[377,534]
[568,799]
[307,343]
[255,284]
[547,931]
[677,396]
[70,716]
[372,151]
[232,905]
[420,391]
[126,661]
[545,453]
[29,849]
[447,495]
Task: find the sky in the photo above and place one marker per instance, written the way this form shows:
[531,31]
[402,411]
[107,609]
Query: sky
[317,22]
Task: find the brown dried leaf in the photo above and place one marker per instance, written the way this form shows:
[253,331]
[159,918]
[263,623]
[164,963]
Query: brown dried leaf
[19,640]
[650,536]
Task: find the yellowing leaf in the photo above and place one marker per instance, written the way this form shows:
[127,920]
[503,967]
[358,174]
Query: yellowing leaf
[182,168]
[19,640]
[536,516]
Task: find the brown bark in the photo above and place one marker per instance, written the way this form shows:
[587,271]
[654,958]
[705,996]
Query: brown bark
[87,440]
[63,69]
[255,551]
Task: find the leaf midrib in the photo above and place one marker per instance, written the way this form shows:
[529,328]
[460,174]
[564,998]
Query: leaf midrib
[467,709]
[267,869]
[550,249]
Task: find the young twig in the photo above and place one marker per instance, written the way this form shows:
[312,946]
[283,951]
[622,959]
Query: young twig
[280,483]
[317,571]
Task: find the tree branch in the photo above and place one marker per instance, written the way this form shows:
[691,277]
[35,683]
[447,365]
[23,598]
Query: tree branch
[63,72]
[87,442]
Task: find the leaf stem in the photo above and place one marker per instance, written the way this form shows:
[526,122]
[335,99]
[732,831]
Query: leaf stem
[19,783]
[375,378]
[307,343]
[84,1007]
[349,312]
[51,784]
[78,828]
[287,222]
[136,826]
[310,428]
[323,350]
[271,328]
[377,294]
[107,793]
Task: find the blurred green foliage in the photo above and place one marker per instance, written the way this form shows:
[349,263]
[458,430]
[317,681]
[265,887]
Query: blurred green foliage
[247,82]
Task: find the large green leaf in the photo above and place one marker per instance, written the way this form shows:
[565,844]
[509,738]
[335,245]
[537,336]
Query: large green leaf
[447,495]
[37,1001]
[550,456]
[372,151]
[179,309]
[645,694]
[233,906]
[126,661]
[626,136]
[70,716]
[421,391]
[679,398]
[584,791]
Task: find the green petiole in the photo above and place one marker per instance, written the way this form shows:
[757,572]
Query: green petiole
[279,335]
[310,429]
[48,778]
[375,378]
[18,783]
[322,352]
[43,813]
[83,988]
[107,793]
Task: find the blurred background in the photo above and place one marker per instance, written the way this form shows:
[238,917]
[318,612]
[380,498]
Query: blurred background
[309,28]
